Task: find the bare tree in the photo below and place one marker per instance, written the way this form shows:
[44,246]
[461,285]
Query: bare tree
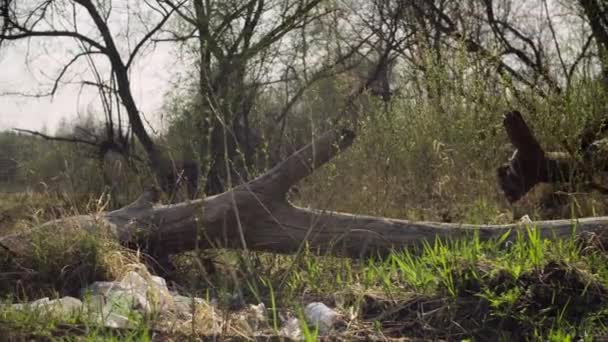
[68,22]
[233,40]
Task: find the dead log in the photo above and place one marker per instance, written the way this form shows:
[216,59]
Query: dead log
[257,216]
[531,165]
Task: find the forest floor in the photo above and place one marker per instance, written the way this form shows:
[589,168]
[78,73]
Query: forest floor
[529,289]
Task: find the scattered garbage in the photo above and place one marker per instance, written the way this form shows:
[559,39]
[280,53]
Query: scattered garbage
[318,314]
[120,304]
[114,303]
[291,329]
[525,220]
[65,305]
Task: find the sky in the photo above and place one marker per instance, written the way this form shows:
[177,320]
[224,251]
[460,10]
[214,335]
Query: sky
[151,78]
[30,68]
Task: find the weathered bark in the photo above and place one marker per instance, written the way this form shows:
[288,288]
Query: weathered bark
[257,216]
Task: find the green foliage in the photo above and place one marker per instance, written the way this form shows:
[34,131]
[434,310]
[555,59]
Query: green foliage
[72,175]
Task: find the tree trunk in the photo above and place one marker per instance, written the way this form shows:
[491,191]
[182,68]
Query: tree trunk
[531,165]
[257,216]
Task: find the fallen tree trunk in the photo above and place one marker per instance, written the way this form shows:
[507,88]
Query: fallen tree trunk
[257,216]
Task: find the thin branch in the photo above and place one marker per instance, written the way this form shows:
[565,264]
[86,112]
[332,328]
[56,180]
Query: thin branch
[555,41]
[473,46]
[67,66]
[149,35]
[580,57]
[52,138]
[319,75]
[28,34]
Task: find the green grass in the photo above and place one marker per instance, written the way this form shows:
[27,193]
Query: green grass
[514,287]
[529,287]
[40,324]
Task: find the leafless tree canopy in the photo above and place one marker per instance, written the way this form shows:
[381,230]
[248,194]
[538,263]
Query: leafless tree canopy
[245,50]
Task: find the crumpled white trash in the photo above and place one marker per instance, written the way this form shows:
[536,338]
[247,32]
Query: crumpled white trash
[318,314]
[291,329]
